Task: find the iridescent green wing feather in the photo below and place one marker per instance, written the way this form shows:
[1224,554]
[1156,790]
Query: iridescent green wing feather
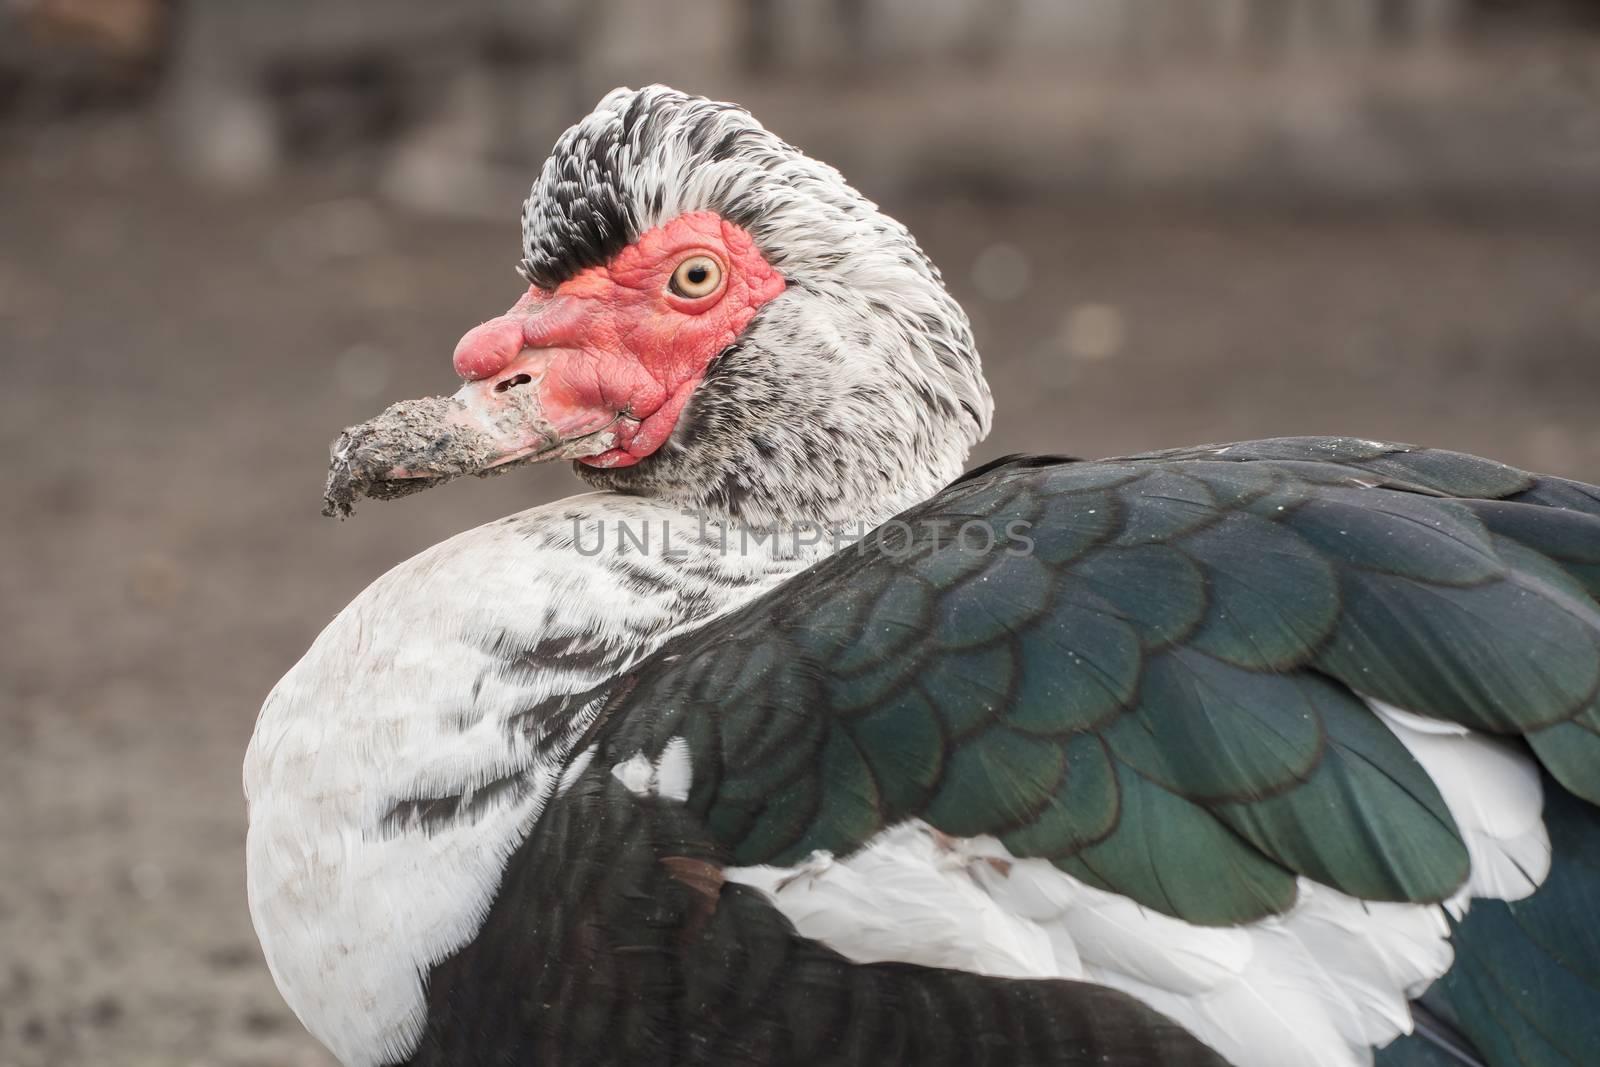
[1150,671]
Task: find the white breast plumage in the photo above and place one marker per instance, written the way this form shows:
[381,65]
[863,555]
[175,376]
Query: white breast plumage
[390,776]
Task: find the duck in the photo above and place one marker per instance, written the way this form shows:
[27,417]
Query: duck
[791,742]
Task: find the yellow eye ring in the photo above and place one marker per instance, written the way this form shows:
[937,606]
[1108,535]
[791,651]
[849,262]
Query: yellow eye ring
[697,276]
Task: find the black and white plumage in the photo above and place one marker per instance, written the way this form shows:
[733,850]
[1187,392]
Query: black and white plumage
[865,348]
[1229,763]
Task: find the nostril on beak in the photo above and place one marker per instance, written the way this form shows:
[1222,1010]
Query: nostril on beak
[512,382]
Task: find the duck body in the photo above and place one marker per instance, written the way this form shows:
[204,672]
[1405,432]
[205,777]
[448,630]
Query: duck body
[791,746]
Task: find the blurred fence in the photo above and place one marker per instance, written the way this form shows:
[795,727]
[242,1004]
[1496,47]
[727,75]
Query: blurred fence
[1098,32]
[1475,98]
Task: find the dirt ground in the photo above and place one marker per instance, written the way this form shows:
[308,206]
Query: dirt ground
[175,362]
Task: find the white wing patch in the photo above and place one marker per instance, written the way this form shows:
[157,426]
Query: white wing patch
[1322,985]
[670,776]
[636,775]
[1317,986]
[675,771]
[1493,791]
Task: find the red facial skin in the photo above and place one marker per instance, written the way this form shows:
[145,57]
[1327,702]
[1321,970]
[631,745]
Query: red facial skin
[616,340]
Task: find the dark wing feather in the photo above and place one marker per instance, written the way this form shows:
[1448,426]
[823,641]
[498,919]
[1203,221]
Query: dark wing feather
[1151,678]
[614,940]
[1525,988]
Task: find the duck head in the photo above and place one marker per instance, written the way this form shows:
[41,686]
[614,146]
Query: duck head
[711,318]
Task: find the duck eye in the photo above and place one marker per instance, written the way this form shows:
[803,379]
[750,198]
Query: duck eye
[697,276]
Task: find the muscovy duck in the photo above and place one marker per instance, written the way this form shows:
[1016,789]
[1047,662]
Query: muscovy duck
[1269,753]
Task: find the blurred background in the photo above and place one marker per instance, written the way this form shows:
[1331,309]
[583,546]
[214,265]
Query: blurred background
[230,227]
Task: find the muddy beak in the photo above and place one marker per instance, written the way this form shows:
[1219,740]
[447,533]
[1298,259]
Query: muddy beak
[487,427]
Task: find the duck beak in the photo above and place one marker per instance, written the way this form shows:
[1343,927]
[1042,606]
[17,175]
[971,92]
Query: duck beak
[490,425]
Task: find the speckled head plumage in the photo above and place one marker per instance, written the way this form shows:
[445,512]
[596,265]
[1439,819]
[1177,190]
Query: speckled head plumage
[625,168]
[843,383]
[769,436]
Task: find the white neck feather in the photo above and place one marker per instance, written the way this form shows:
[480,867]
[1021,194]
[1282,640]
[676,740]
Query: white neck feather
[419,691]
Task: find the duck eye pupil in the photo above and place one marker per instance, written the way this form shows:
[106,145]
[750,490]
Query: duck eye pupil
[694,277]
